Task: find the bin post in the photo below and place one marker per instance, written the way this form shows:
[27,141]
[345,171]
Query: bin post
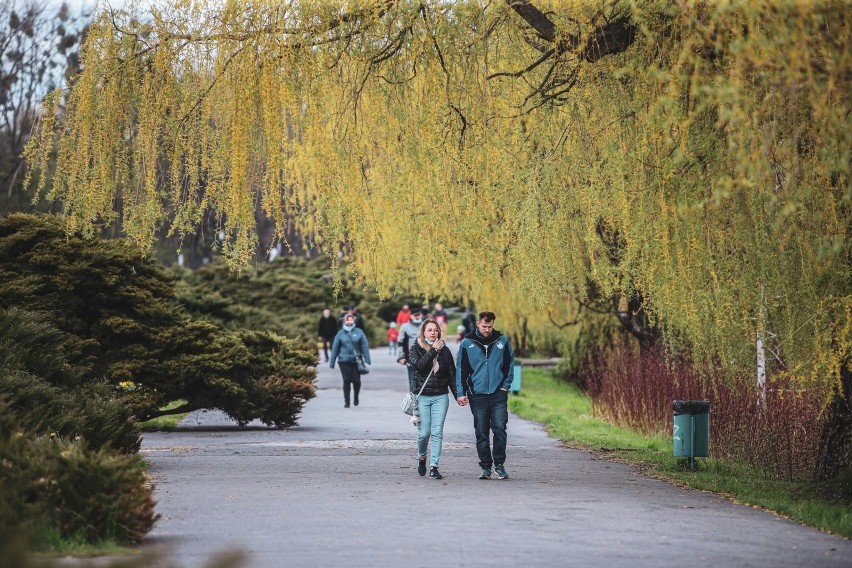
[691,429]
[516,380]
[692,444]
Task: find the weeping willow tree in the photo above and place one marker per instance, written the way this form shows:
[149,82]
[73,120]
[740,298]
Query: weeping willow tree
[685,160]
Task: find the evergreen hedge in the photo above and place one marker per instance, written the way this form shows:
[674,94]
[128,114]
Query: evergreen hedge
[120,321]
[67,446]
[92,340]
[286,296]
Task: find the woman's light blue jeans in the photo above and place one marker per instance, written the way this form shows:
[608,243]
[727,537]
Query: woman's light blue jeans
[433,411]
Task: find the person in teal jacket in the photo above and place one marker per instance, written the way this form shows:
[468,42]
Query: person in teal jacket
[348,342]
[484,373]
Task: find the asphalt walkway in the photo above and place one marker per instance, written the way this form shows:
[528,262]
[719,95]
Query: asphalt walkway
[341,490]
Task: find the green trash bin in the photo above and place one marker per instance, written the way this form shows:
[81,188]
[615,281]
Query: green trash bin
[691,429]
[516,380]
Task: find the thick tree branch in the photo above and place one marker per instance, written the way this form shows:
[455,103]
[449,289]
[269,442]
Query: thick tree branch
[614,36]
[538,21]
[179,410]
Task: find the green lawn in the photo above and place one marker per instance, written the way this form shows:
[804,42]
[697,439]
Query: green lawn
[567,414]
[55,545]
[165,422]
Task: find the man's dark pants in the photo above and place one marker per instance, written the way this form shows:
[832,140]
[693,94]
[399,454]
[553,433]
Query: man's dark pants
[351,377]
[490,412]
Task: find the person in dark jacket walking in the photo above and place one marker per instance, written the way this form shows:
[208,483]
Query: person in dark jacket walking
[349,342]
[468,321]
[326,330]
[484,373]
[408,334]
[433,365]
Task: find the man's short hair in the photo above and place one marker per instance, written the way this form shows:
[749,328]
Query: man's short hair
[487,316]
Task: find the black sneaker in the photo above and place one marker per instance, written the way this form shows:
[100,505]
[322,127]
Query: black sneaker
[486,473]
[421,466]
[501,472]
[433,473]
[356,402]
[346,405]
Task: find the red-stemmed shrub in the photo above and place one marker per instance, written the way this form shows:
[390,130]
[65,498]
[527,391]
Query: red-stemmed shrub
[777,431]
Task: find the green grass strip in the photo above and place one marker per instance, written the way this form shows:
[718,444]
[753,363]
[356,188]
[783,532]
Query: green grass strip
[568,415]
[165,422]
[54,545]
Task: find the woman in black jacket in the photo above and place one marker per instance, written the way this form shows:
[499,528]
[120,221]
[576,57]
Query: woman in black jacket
[433,364]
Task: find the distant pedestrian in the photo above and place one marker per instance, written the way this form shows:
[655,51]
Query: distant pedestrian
[484,373]
[349,342]
[432,362]
[403,315]
[393,337]
[408,333]
[460,333]
[440,316]
[326,330]
[468,321]
[359,319]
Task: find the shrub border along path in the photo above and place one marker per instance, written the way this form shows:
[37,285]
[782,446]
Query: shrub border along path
[568,415]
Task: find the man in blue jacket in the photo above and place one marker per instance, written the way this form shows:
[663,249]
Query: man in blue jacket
[484,373]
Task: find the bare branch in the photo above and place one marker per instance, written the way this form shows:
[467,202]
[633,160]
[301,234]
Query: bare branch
[547,55]
[567,323]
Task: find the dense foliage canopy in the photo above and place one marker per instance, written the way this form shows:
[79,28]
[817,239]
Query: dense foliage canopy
[691,158]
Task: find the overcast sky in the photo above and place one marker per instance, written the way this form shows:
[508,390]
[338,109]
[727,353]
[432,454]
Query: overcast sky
[77,5]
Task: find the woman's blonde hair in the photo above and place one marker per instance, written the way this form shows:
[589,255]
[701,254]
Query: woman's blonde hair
[421,333]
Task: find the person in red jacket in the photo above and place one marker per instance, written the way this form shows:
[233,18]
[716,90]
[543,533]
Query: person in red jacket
[393,337]
[403,316]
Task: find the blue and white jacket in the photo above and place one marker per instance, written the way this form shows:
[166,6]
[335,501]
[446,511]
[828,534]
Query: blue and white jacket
[484,365]
[347,344]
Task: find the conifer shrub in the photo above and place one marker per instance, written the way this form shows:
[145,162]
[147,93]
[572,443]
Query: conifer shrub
[67,446]
[287,379]
[90,412]
[51,484]
[47,393]
[92,339]
[118,320]
[98,494]
[286,296]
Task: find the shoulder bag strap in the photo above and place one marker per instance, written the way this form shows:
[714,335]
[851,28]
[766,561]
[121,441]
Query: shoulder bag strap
[424,384]
[352,345]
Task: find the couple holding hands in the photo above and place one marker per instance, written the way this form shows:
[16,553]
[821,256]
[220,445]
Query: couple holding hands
[479,377]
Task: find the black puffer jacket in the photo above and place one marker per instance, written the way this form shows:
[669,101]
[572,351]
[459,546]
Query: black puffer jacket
[421,360]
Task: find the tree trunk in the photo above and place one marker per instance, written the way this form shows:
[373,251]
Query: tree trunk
[835,452]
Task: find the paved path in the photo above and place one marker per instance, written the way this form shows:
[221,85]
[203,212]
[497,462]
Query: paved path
[341,489]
